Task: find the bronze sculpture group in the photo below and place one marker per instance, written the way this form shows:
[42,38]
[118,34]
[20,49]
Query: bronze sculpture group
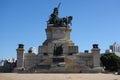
[58,50]
[59,22]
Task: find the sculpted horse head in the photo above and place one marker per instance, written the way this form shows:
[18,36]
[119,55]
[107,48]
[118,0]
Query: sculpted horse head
[68,20]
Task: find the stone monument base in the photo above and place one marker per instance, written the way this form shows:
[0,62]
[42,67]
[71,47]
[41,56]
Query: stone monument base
[61,64]
[58,59]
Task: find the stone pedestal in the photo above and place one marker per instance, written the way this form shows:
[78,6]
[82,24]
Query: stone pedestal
[58,36]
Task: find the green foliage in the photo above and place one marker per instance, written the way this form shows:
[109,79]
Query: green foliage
[110,61]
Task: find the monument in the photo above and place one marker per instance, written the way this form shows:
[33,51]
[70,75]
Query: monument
[58,53]
[58,36]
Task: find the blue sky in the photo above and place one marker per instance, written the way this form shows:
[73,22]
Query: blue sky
[24,21]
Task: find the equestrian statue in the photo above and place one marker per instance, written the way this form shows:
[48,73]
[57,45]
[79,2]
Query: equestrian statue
[59,22]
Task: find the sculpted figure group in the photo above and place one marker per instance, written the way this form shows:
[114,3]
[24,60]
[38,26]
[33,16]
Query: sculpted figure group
[58,50]
[59,22]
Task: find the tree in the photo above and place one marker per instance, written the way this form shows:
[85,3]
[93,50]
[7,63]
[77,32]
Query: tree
[110,61]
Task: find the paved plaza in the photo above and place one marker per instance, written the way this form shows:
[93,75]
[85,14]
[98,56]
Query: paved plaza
[97,76]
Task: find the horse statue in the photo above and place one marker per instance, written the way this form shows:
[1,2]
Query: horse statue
[68,20]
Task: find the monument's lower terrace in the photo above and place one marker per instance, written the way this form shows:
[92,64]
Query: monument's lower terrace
[79,62]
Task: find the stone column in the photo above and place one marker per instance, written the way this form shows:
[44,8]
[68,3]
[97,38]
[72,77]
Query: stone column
[96,55]
[20,56]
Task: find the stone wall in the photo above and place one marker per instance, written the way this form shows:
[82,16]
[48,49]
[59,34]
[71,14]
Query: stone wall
[30,60]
